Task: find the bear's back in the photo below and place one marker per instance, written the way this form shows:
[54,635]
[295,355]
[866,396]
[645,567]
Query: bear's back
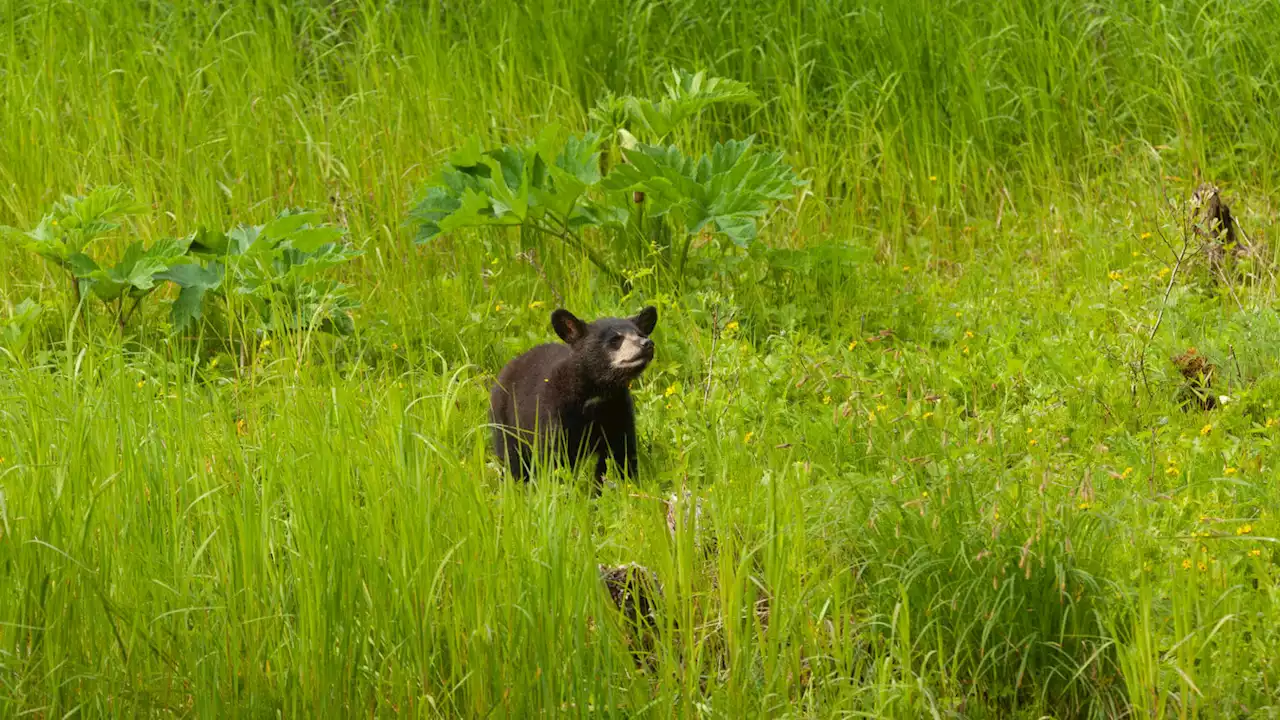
[526,383]
[534,367]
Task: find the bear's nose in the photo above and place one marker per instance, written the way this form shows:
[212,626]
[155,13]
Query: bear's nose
[646,344]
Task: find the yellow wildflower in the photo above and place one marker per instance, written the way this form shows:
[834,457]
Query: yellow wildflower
[1244,529]
[1271,422]
[881,408]
[747,438]
[906,268]
[536,304]
[826,399]
[1128,472]
[1083,506]
[933,178]
[1172,470]
[1202,566]
[871,417]
[853,344]
[968,333]
[1256,552]
[1164,272]
[1114,275]
[141,383]
[497,308]
[733,325]
[1228,470]
[240,428]
[1208,428]
[1145,235]
[1186,564]
[966,350]
[671,390]
[926,416]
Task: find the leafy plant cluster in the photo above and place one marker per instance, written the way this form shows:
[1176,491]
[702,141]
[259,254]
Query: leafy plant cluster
[275,270]
[564,186]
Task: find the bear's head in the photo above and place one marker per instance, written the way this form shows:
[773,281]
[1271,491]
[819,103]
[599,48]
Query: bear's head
[609,352]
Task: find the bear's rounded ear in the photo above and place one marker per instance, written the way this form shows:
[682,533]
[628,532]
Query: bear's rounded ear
[646,320]
[568,326]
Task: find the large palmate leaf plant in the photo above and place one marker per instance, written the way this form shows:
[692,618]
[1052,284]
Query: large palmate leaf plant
[276,270]
[564,186]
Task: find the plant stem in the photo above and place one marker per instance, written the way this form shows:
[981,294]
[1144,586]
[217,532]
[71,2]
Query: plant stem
[136,302]
[577,243]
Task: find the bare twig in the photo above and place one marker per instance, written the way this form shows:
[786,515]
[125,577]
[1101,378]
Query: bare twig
[1254,249]
[1179,258]
[711,362]
[1230,288]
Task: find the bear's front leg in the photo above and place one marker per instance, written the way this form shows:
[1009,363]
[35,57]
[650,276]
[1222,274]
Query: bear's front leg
[601,469]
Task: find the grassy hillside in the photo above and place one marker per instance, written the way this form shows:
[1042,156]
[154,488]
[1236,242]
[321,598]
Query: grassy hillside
[933,413]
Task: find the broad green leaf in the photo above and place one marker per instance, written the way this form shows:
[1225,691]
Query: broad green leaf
[16,329]
[242,239]
[580,157]
[687,95]
[194,282]
[473,211]
[287,224]
[134,273]
[438,203]
[193,275]
[208,242]
[726,189]
[469,154]
[309,240]
[510,185]
[81,265]
[512,176]
[97,212]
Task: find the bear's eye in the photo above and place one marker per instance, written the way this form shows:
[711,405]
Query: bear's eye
[615,342]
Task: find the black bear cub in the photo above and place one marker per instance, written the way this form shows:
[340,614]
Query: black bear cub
[570,401]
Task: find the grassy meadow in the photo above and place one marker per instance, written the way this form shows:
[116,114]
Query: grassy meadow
[946,461]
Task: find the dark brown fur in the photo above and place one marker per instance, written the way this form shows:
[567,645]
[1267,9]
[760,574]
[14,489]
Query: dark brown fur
[569,401]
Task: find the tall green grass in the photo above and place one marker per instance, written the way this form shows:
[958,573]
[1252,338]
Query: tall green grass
[994,510]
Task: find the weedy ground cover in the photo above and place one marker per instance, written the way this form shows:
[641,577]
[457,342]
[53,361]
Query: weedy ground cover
[947,462]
